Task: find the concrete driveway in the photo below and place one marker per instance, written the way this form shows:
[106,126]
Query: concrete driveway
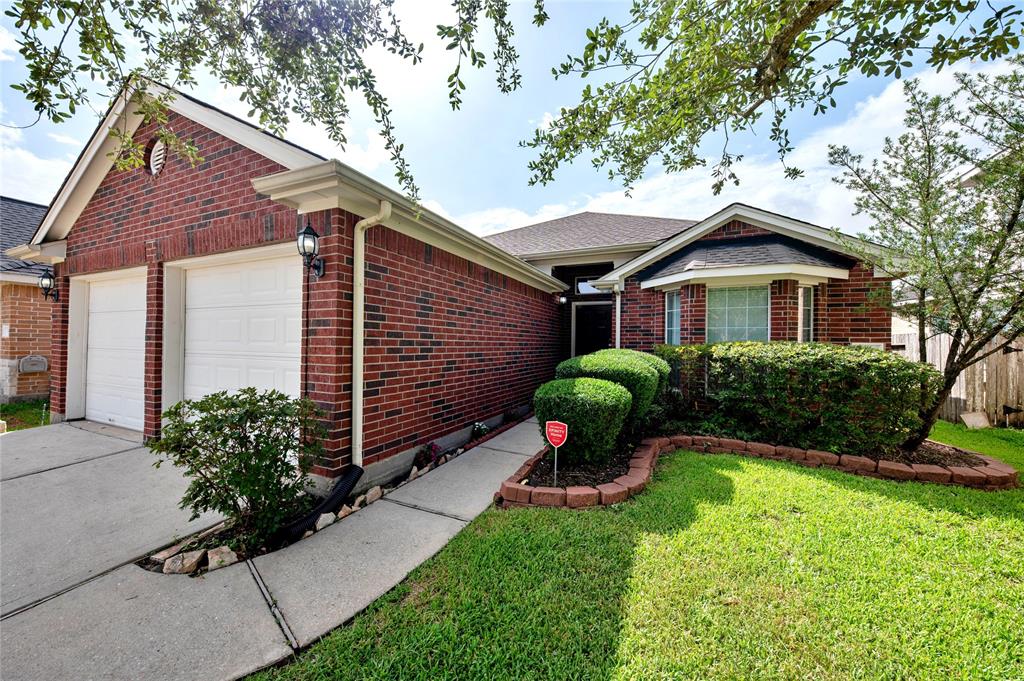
[76,501]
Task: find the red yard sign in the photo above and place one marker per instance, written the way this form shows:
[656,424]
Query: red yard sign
[557,433]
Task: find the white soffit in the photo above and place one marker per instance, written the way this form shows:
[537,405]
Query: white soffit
[743,275]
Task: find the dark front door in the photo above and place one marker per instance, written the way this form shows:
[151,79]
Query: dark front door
[592,327]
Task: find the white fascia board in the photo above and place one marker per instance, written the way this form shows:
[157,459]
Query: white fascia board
[50,253]
[332,184]
[12,278]
[749,274]
[818,236]
[587,255]
[96,159]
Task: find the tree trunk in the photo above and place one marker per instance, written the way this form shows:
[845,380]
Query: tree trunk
[929,411]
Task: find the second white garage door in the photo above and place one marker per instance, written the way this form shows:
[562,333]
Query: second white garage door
[243,326]
[116,351]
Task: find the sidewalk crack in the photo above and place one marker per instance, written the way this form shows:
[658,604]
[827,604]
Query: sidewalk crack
[275,612]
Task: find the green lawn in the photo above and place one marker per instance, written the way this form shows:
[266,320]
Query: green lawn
[20,415]
[725,568]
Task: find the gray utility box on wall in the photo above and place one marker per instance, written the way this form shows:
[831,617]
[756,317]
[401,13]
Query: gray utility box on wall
[30,364]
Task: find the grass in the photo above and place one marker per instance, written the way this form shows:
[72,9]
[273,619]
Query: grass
[21,415]
[725,568]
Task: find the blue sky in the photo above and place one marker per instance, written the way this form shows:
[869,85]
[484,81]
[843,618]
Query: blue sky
[468,162]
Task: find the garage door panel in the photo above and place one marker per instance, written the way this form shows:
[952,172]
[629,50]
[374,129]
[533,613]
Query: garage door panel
[243,327]
[115,355]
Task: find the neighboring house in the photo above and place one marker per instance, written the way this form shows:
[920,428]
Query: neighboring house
[24,314]
[740,274]
[176,281]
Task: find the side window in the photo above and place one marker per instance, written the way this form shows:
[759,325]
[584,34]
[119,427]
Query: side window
[672,317]
[806,314]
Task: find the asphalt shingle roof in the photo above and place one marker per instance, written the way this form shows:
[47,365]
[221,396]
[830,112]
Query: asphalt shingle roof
[18,222]
[587,230]
[772,249]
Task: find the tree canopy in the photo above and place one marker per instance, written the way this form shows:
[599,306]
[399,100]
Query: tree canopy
[684,68]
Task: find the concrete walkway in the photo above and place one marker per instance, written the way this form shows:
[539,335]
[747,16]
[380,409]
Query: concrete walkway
[128,623]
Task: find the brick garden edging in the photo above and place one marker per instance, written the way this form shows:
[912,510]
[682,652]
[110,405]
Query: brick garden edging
[641,466]
[993,475]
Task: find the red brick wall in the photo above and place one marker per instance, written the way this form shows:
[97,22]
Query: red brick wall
[846,311]
[643,317]
[27,315]
[447,343]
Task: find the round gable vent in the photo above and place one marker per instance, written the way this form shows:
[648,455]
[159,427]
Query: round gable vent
[156,156]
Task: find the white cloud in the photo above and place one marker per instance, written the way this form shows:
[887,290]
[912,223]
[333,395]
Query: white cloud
[8,45]
[546,120]
[23,174]
[815,197]
[66,139]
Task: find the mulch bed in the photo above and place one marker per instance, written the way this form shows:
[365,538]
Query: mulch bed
[940,455]
[589,474]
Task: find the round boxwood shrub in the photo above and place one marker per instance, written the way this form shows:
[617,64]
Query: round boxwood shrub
[633,374]
[595,411]
[658,364]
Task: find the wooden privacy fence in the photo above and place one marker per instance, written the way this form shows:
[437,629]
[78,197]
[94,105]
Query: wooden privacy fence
[986,386]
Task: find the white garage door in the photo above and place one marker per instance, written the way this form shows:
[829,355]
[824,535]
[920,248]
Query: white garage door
[243,326]
[115,358]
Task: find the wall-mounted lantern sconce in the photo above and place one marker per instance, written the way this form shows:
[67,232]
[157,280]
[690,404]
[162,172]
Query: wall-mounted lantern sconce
[308,242]
[562,300]
[47,284]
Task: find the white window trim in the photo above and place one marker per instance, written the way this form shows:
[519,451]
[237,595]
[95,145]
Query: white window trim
[572,325]
[800,315]
[679,320]
[708,289]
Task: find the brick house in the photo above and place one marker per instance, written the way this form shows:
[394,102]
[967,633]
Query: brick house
[740,274]
[24,313]
[175,281]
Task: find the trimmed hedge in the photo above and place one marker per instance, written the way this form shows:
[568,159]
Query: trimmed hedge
[594,410]
[839,398]
[657,363]
[633,374]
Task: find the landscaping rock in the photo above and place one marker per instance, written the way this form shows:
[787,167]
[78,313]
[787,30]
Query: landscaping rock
[359,502]
[345,511]
[581,497]
[374,494]
[307,533]
[821,458]
[703,444]
[857,463]
[612,493]
[514,491]
[931,473]
[222,556]
[642,473]
[170,551]
[996,476]
[729,444]
[324,520]
[184,563]
[442,460]
[211,531]
[895,470]
[547,496]
[634,485]
[413,473]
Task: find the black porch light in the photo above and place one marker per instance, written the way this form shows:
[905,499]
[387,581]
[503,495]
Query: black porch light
[308,242]
[47,284]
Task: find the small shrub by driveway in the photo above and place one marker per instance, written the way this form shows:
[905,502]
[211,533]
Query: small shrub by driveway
[725,567]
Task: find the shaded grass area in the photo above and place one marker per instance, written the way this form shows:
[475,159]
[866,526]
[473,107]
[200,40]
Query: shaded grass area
[1006,444]
[21,415]
[726,567]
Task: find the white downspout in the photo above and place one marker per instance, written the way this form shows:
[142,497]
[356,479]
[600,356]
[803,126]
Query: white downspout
[358,319]
[618,316]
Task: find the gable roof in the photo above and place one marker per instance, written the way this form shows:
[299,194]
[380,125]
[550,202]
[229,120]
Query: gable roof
[587,230]
[771,249]
[94,162]
[774,222]
[18,222]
